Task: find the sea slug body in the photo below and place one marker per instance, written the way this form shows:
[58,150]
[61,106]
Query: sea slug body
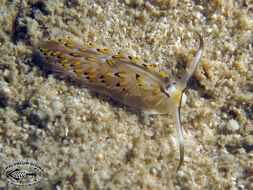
[122,77]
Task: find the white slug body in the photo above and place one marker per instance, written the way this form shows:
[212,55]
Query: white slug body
[122,77]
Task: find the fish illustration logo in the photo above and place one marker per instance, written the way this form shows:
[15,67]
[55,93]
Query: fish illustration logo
[17,174]
[23,174]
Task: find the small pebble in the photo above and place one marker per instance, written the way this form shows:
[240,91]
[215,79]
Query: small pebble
[233,125]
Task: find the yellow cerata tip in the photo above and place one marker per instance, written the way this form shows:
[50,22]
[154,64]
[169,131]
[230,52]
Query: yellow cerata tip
[177,95]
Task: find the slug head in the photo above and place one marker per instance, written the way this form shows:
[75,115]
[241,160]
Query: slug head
[176,91]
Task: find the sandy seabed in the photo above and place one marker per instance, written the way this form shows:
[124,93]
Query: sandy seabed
[86,140]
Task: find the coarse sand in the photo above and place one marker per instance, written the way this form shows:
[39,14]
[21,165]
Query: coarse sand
[86,140]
